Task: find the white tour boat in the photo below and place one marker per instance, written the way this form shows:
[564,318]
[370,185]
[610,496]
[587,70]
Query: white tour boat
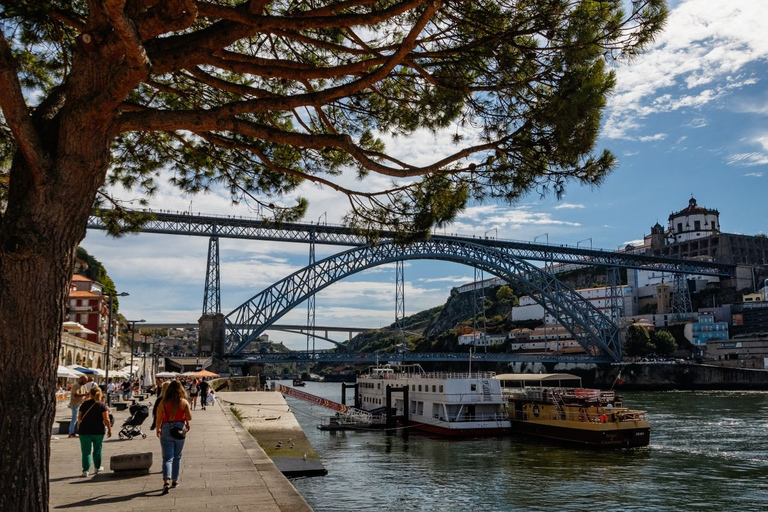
[452,404]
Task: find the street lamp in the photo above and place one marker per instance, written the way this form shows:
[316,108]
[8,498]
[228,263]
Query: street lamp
[111,296]
[133,338]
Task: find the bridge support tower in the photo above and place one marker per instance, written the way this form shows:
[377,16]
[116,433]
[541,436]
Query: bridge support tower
[210,337]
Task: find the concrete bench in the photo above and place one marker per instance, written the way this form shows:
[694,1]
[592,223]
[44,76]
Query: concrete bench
[131,462]
[121,406]
[63,426]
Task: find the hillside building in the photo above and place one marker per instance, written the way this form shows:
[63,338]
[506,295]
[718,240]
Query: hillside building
[86,306]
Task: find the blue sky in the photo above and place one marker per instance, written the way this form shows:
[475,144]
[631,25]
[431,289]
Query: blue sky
[687,118]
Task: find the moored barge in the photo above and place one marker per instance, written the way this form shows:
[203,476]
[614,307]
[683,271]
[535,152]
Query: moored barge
[557,407]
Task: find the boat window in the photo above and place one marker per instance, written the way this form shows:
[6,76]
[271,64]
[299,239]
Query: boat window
[413,387]
[378,385]
[441,389]
[434,388]
[473,387]
[419,387]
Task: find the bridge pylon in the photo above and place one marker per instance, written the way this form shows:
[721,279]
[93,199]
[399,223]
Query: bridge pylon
[211,323]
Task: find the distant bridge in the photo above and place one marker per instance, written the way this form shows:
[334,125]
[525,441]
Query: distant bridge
[507,259]
[328,234]
[410,357]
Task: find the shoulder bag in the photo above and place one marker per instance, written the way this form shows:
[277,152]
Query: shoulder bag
[77,427]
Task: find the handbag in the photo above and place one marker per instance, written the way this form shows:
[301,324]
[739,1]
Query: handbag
[77,425]
[178,433]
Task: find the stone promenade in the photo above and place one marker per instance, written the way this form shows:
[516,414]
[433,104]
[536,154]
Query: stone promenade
[222,469]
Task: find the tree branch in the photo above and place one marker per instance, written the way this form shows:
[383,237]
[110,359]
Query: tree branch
[17,115]
[170,120]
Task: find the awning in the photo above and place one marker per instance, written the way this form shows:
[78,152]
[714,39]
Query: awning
[66,373]
[507,378]
[166,375]
[76,327]
[204,374]
[74,370]
[87,371]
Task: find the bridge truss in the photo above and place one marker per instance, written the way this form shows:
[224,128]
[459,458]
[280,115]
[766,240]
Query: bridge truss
[326,234]
[507,259]
[594,331]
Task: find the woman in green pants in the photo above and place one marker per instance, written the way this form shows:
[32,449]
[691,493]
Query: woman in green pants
[93,419]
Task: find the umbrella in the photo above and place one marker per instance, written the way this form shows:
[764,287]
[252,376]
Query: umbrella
[66,373]
[76,327]
[87,371]
[204,374]
[166,375]
[73,370]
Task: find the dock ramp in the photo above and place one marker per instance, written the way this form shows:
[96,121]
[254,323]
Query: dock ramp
[351,415]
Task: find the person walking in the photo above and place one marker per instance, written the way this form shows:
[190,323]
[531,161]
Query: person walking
[94,421]
[76,397]
[203,393]
[193,391]
[126,389]
[172,426]
[89,385]
[160,395]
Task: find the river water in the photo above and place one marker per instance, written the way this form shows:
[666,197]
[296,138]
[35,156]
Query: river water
[708,451]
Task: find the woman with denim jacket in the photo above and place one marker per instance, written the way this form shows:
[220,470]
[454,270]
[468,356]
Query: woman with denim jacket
[172,419]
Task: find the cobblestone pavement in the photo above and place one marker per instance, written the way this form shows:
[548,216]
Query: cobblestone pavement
[222,469]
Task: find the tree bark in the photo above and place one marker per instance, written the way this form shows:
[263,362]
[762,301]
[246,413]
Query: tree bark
[39,233]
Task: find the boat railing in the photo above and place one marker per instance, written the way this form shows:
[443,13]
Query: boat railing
[498,416]
[586,415]
[431,375]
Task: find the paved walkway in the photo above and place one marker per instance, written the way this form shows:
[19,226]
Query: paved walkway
[222,469]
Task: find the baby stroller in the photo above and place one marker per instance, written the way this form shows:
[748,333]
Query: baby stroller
[132,426]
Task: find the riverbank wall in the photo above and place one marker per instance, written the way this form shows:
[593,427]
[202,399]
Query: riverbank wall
[667,376]
[270,421]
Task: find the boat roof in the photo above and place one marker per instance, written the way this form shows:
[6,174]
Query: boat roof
[536,377]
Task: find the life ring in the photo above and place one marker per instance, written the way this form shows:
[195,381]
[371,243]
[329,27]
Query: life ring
[582,414]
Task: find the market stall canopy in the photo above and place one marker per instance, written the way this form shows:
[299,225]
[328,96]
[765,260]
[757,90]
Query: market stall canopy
[76,328]
[86,371]
[74,370]
[166,375]
[66,373]
[204,374]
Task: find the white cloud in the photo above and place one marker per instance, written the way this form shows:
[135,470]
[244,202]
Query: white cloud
[748,159]
[754,174]
[697,122]
[650,138]
[569,206]
[476,218]
[751,158]
[701,56]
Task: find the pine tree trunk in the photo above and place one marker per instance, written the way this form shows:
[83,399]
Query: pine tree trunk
[39,232]
[31,298]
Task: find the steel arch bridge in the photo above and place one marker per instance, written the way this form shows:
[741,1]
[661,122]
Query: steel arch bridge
[593,330]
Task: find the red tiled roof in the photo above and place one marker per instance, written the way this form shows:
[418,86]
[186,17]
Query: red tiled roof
[78,277]
[84,293]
